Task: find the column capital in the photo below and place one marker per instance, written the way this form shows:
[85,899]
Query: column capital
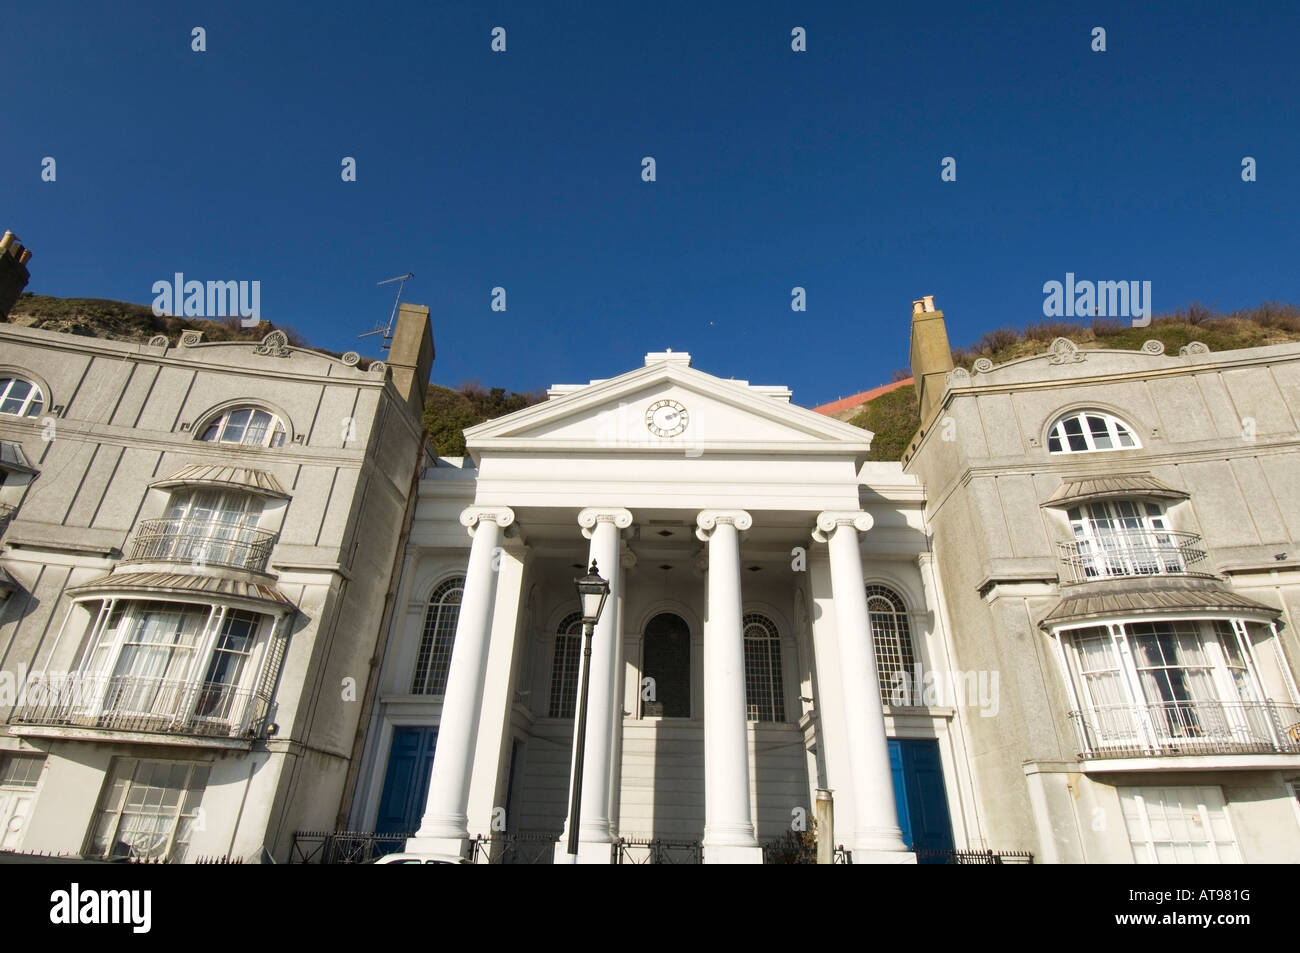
[829,521]
[707,521]
[593,515]
[472,516]
[626,558]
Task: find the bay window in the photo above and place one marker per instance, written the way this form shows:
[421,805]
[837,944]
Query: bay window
[1124,538]
[173,663]
[1183,683]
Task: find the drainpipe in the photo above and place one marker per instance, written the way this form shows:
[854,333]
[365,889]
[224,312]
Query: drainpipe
[825,827]
[381,646]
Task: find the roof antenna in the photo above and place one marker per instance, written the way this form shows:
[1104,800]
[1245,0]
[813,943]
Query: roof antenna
[387,332]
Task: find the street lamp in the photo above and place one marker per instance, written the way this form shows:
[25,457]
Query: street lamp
[592,592]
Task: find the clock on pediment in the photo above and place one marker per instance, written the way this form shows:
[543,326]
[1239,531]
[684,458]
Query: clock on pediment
[666,418]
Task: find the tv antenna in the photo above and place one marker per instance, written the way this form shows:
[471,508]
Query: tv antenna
[387,331]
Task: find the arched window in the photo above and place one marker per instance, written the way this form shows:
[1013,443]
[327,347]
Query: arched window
[895,657]
[564,670]
[1088,431]
[246,426]
[764,696]
[666,661]
[20,398]
[434,658]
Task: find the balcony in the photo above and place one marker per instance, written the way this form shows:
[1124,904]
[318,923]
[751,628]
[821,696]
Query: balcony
[139,703]
[1127,554]
[1187,728]
[232,546]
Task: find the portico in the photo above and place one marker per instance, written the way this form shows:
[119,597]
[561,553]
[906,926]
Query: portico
[730,528]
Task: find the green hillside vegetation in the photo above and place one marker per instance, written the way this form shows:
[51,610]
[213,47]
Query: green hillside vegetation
[448,412]
[123,321]
[895,417]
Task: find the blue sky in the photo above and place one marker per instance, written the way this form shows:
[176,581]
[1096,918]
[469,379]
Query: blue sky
[775,169]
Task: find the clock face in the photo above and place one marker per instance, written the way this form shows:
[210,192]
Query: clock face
[666,418]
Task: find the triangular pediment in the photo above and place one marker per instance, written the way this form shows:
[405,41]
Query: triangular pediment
[721,416]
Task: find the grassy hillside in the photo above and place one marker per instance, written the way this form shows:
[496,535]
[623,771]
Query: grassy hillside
[448,412]
[123,321]
[895,417]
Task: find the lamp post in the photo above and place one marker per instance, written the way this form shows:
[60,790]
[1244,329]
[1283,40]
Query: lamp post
[592,591]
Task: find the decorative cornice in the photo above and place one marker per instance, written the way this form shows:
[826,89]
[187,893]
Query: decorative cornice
[593,515]
[829,521]
[1065,351]
[275,344]
[707,521]
[471,516]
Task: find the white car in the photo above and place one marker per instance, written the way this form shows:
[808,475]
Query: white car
[421,859]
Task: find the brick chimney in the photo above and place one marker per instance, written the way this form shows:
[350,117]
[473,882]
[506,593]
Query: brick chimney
[931,357]
[410,357]
[13,272]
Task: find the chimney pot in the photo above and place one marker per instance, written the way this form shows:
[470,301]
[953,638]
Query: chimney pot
[916,306]
[929,302]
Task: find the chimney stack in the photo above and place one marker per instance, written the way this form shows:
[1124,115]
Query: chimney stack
[931,357]
[13,272]
[410,356]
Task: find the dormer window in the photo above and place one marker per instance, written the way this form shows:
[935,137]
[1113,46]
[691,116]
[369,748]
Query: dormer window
[1090,431]
[20,398]
[246,426]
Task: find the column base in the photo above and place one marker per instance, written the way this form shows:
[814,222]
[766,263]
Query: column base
[732,854]
[444,847]
[868,856]
[589,852]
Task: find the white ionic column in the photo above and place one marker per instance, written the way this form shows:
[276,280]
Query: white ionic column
[728,825]
[876,837]
[603,526]
[444,828]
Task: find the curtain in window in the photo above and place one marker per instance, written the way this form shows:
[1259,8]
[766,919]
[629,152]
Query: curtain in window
[1103,686]
[1177,679]
[155,660]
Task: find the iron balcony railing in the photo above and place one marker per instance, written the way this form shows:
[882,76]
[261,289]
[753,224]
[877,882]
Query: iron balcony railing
[199,544]
[343,847]
[1128,553]
[1187,728]
[137,703]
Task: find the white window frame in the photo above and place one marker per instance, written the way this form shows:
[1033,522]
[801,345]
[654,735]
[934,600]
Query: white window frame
[31,405]
[907,653]
[771,682]
[566,667]
[1139,795]
[126,617]
[1148,732]
[435,671]
[1124,538]
[129,771]
[274,435]
[1116,431]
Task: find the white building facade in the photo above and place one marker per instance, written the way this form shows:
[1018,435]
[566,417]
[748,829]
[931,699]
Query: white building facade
[773,604]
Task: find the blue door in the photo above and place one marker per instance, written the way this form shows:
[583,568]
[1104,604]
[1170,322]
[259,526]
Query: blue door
[919,794]
[406,783]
